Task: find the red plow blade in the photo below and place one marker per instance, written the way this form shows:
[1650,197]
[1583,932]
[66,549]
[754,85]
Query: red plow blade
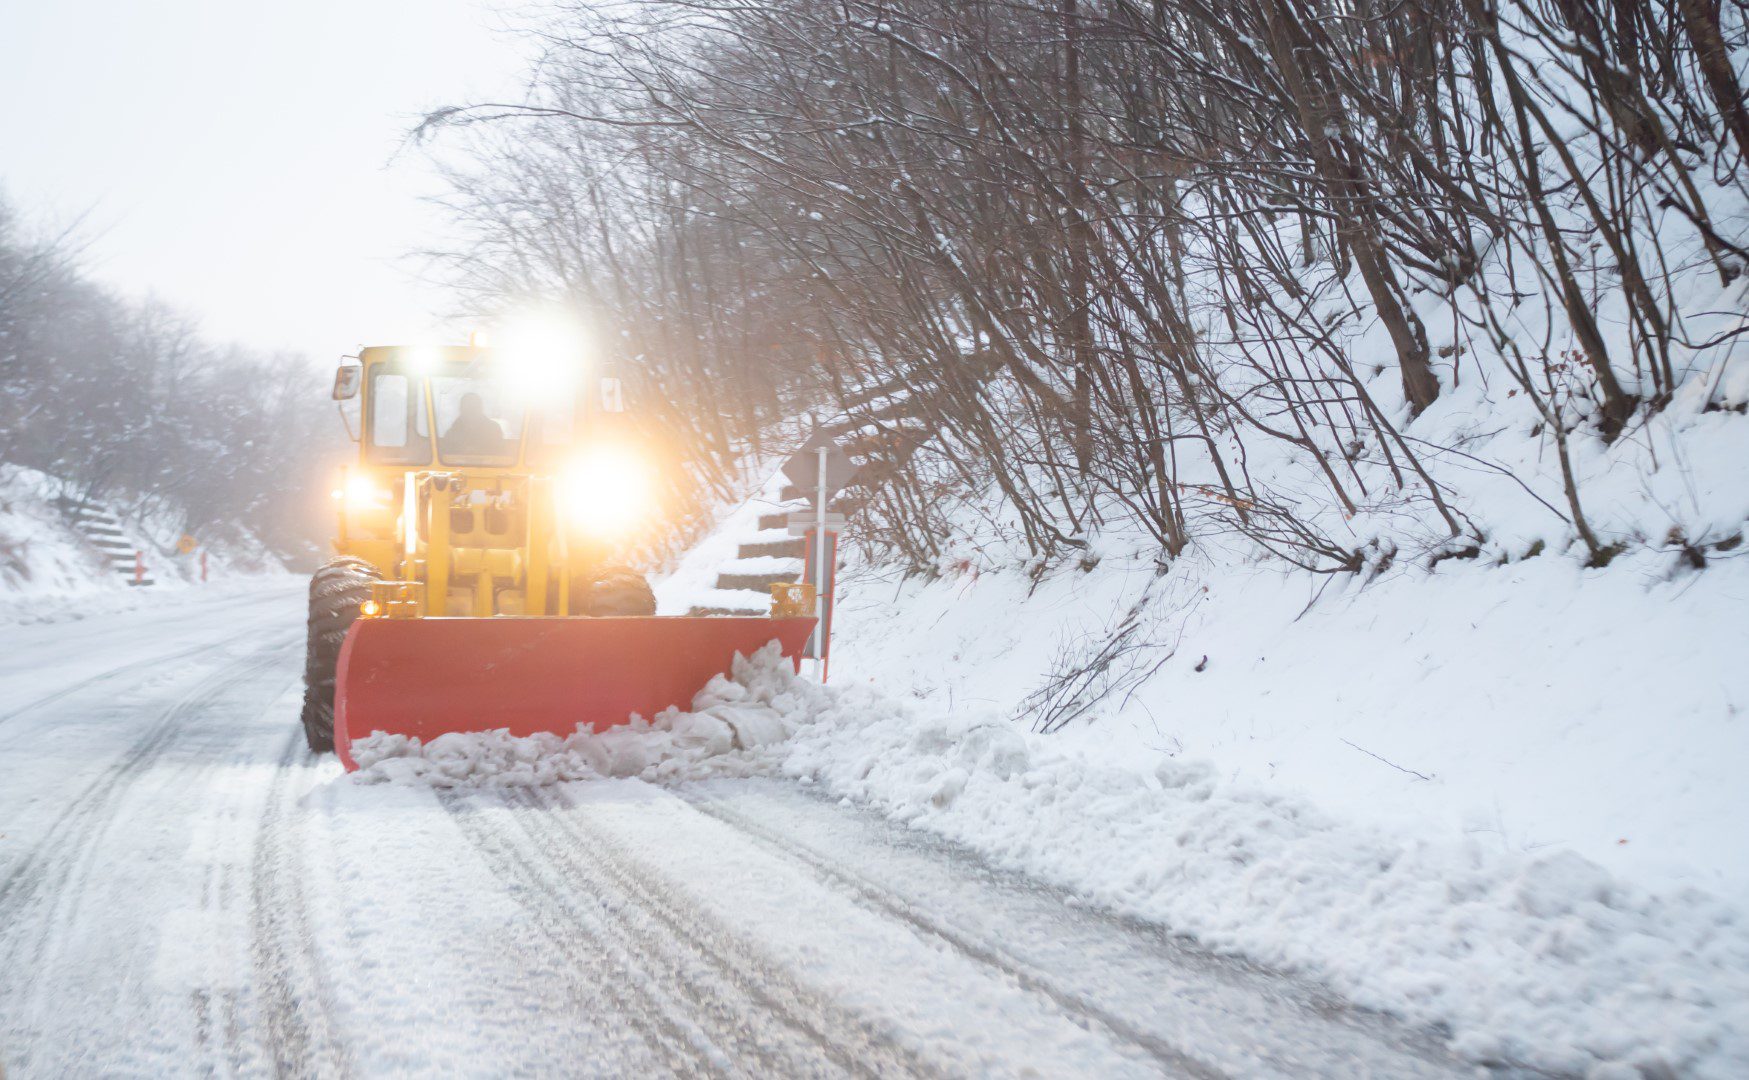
[429,677]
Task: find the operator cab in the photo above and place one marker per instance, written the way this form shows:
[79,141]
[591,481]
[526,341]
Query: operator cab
[488,412]
[510,440]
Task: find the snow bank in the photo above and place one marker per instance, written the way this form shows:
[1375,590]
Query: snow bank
[1501,797]
[42,561]
[1534,705]
[1545,960]
[735,728]
[48,572]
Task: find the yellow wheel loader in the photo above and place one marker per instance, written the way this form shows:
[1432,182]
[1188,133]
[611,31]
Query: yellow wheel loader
[473,586]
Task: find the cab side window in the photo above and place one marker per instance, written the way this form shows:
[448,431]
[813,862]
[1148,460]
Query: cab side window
[398,433]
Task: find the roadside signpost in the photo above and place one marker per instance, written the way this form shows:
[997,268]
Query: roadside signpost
[822,469]
[803,522]
[822,555]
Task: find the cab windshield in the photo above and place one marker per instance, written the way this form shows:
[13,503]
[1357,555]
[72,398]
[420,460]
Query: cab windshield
[480,419]
[477,422]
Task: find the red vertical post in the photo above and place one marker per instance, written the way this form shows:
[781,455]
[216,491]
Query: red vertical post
[823,497]
[203,566]
[139,567]
[829,580]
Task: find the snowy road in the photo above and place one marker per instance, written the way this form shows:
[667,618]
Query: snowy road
[184,890]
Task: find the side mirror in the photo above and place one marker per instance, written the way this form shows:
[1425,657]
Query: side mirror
[346,381]
[612,396]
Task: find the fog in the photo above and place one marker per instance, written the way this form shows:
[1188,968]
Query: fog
[243,165]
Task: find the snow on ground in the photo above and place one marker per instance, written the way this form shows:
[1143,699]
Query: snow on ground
[1546,959]
[1526,707]
[1543,959]
[40,555]
[1502,796]
[184,889]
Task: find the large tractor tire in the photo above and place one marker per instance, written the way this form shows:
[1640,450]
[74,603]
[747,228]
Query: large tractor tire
[617,590]
[336,590]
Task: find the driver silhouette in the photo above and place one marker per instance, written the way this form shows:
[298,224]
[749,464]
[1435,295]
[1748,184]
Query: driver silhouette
[472,432]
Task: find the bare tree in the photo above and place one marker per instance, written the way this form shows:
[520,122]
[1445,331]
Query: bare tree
[1113,252]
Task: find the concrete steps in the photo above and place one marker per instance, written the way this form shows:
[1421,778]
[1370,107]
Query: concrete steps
[102,529]
[880,429]
[758,584]
[795,548]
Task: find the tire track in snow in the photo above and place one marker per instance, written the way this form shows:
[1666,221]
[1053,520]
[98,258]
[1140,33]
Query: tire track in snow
[293,999]
[218,1026]
[130,668]
[584,942]
[70,843]
[709,1007]
[1175,1060]
[103,677]
[42,896]
[1408,1059]
[840,1035]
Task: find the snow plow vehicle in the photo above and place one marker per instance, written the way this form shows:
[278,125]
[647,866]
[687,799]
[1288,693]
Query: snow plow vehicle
[474,585]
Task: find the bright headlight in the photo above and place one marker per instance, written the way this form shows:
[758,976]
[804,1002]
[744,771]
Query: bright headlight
[362,492]
[606,491]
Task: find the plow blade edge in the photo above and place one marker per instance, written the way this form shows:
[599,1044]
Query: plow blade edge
[429,677]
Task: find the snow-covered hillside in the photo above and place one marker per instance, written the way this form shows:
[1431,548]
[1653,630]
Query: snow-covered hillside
[1496,794]
[1526,707]
[1503,797]
[50,569]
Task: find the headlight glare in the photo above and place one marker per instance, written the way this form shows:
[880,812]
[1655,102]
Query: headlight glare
[364,493]
[606,491]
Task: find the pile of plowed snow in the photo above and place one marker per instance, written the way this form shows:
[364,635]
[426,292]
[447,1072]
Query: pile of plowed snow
[1547,961]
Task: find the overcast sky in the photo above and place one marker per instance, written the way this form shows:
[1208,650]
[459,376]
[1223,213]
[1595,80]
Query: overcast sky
[235,156]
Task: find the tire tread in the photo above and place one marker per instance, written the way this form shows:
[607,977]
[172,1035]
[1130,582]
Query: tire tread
[336,590]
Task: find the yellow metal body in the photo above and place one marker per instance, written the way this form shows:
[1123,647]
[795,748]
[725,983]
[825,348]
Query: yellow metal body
[455,539]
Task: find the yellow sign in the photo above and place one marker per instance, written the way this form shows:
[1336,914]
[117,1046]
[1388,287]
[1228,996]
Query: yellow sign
[187,544]
[791,600]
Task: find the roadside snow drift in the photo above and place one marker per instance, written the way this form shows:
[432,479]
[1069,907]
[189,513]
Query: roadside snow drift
[1544,961]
